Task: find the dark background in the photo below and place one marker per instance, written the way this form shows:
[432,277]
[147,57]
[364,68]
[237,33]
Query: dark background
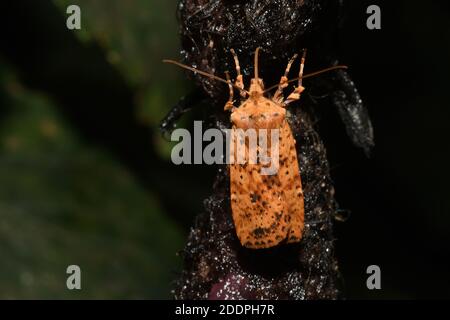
[85,177]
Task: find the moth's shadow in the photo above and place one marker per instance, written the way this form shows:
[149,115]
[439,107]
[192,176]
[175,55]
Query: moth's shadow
[270,262]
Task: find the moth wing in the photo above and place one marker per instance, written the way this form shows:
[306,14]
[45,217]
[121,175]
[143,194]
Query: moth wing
[258,207]
[289,175]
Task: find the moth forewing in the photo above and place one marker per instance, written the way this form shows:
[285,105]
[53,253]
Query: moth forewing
[291,184]
[262,214]
[269,152]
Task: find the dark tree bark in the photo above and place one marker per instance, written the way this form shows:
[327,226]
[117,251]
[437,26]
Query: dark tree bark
[216,266]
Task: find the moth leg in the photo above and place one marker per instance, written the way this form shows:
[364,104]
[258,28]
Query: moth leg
[239,79]
[229,105]
[295,95]
[277,98]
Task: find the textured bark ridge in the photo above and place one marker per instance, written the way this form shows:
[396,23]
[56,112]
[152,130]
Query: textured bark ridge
[216,265]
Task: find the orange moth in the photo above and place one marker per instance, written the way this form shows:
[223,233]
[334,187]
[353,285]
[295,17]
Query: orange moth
[267,205]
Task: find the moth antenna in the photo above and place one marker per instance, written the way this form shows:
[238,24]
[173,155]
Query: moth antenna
[203,73]
[316,73]
[257,63]
[309,75]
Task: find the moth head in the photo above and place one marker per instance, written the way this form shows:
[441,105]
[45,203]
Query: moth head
[256,87]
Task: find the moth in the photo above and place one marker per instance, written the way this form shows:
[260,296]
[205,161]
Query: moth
[267,209]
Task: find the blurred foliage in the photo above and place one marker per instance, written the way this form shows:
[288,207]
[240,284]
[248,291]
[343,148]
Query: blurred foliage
[136,35]
[63,202]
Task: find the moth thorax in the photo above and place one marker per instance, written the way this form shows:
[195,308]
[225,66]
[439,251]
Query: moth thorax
[258,114]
